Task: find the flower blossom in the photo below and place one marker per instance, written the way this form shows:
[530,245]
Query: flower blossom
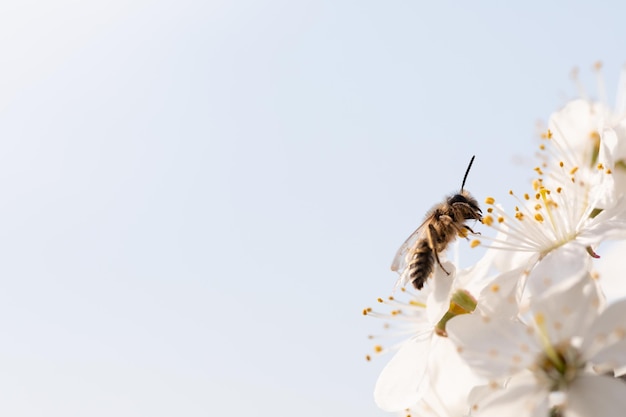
[569,205]
[425,356]
[555,358]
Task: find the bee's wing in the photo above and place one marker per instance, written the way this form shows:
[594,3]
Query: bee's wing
[400,262]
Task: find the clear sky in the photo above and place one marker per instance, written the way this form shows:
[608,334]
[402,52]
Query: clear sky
[199,197]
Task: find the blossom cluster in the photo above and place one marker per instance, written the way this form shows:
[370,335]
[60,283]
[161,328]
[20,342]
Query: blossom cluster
[529,330]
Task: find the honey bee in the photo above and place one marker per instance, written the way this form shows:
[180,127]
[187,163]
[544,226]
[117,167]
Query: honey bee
[415,260]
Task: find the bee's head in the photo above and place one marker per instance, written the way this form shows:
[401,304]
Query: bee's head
[464,198]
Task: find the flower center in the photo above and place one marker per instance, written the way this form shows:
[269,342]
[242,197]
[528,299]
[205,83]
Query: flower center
[559,367]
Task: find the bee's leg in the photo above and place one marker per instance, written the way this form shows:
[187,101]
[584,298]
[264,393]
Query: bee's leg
[466,227]
[433,238]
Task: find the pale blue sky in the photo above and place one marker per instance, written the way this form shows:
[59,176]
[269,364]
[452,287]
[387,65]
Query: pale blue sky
[198,198]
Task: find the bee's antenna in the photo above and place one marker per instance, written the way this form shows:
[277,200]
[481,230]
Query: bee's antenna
[467,172]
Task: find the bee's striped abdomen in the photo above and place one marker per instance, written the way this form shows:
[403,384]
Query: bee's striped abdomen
[421,265]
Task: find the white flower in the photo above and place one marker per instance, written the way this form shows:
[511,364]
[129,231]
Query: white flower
[448,385]
[561,350]
[399,384]
[419,361]
[582,124]
[568,204]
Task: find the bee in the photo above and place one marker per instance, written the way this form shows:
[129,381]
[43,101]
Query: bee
[415,260]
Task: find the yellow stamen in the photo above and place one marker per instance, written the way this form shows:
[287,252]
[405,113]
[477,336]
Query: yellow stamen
[417,304]
[547,135]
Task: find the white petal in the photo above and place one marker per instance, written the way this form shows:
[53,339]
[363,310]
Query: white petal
[499,298]
[560,269]
[475,277]
[620,130]
[438,301]
[570,312]
[611,358]
[571,126]
[593,395]
[493,347]
[507,260]
[522,397]
[450,379]
[605,342]
[400,384]
[602,193]
[609,224]
[612,283]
